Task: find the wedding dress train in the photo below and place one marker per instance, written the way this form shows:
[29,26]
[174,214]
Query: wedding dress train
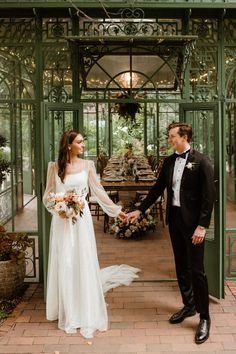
[76,285]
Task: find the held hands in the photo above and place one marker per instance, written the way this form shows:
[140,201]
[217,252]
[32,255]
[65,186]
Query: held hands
[198,235]
[133,216]
[129,217]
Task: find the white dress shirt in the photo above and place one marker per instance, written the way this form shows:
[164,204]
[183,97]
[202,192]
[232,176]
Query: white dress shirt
[177,176]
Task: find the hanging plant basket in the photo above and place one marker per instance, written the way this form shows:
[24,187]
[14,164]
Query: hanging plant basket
[127,110]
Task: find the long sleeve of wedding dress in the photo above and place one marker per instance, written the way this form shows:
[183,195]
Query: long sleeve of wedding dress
[98,191]
[50,185]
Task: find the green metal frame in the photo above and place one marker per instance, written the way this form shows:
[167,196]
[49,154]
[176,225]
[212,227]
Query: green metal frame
[214,257]
[115,3]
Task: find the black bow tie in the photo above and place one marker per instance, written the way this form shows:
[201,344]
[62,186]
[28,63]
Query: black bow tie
[183,155]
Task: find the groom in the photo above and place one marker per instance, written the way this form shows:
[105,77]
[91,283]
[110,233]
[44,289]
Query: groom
[188,177]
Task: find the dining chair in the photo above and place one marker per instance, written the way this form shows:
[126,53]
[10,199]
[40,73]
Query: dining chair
[157,209]
[102,161]
[94,207]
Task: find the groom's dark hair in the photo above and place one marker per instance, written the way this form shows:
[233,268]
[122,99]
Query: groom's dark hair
[184,129]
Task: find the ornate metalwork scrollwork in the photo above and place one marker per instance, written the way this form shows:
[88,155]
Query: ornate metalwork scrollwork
[131,27]
[17,30]
[135,13]
[57,30]
[205,29]
[230,69]
[230,30]
[203,74]
[32,260]
[58,94]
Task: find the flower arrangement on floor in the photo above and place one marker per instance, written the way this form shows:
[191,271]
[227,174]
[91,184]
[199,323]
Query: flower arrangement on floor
[133,231]
[66,205]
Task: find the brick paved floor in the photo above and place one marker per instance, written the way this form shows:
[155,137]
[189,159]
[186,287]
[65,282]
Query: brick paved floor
[138,324]
[138,314]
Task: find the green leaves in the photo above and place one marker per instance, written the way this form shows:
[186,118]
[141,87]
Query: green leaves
[13,245]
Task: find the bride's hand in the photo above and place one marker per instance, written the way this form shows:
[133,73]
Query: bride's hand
[122,216]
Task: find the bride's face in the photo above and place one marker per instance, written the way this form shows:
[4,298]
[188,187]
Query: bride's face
[77,146]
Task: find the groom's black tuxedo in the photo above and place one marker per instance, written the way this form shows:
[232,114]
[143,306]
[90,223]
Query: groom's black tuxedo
[196,192]
[196,204]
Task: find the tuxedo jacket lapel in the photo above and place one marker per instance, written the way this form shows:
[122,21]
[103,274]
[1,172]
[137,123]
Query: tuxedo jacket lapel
[190,158]
[171,172]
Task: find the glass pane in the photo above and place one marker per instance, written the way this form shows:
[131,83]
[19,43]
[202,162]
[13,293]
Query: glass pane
[103,128]
[5,159]
[152,132]
[126,133]
[231,156]
[59,121]
[25,201]
[28,152]
[203,140]
[90,129]
[203,131]
[147,70]
[168,113]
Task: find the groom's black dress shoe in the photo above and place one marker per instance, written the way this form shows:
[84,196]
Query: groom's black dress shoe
[203,331]
[182,314]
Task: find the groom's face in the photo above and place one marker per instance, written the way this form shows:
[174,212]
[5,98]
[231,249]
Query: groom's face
[177,142]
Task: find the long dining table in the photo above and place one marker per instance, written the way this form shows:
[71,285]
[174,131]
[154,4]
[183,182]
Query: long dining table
[115,177]
[127,174]
[127,185]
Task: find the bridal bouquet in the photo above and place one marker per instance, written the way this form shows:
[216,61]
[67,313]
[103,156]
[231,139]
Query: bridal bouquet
[66,205]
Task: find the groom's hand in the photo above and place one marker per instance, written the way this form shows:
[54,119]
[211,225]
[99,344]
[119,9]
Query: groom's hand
[133,216]
[198,235]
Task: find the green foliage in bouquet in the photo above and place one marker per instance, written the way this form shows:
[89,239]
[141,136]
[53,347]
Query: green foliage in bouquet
[133,231]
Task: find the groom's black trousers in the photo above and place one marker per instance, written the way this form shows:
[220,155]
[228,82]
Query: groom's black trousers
[189,263]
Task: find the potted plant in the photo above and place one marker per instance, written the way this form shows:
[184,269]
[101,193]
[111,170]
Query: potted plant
[4,162]
[13,246]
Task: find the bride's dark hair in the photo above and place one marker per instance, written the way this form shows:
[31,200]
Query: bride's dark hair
[66,139]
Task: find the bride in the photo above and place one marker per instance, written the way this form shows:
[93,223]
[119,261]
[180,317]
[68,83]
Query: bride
[75,284]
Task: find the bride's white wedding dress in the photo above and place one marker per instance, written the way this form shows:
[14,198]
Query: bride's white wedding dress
[75,284]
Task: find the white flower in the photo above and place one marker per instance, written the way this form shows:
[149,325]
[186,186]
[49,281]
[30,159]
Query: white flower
[70,213]
[190,165]
[61,206]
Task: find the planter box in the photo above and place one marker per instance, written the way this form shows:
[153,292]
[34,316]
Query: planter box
[12,277]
